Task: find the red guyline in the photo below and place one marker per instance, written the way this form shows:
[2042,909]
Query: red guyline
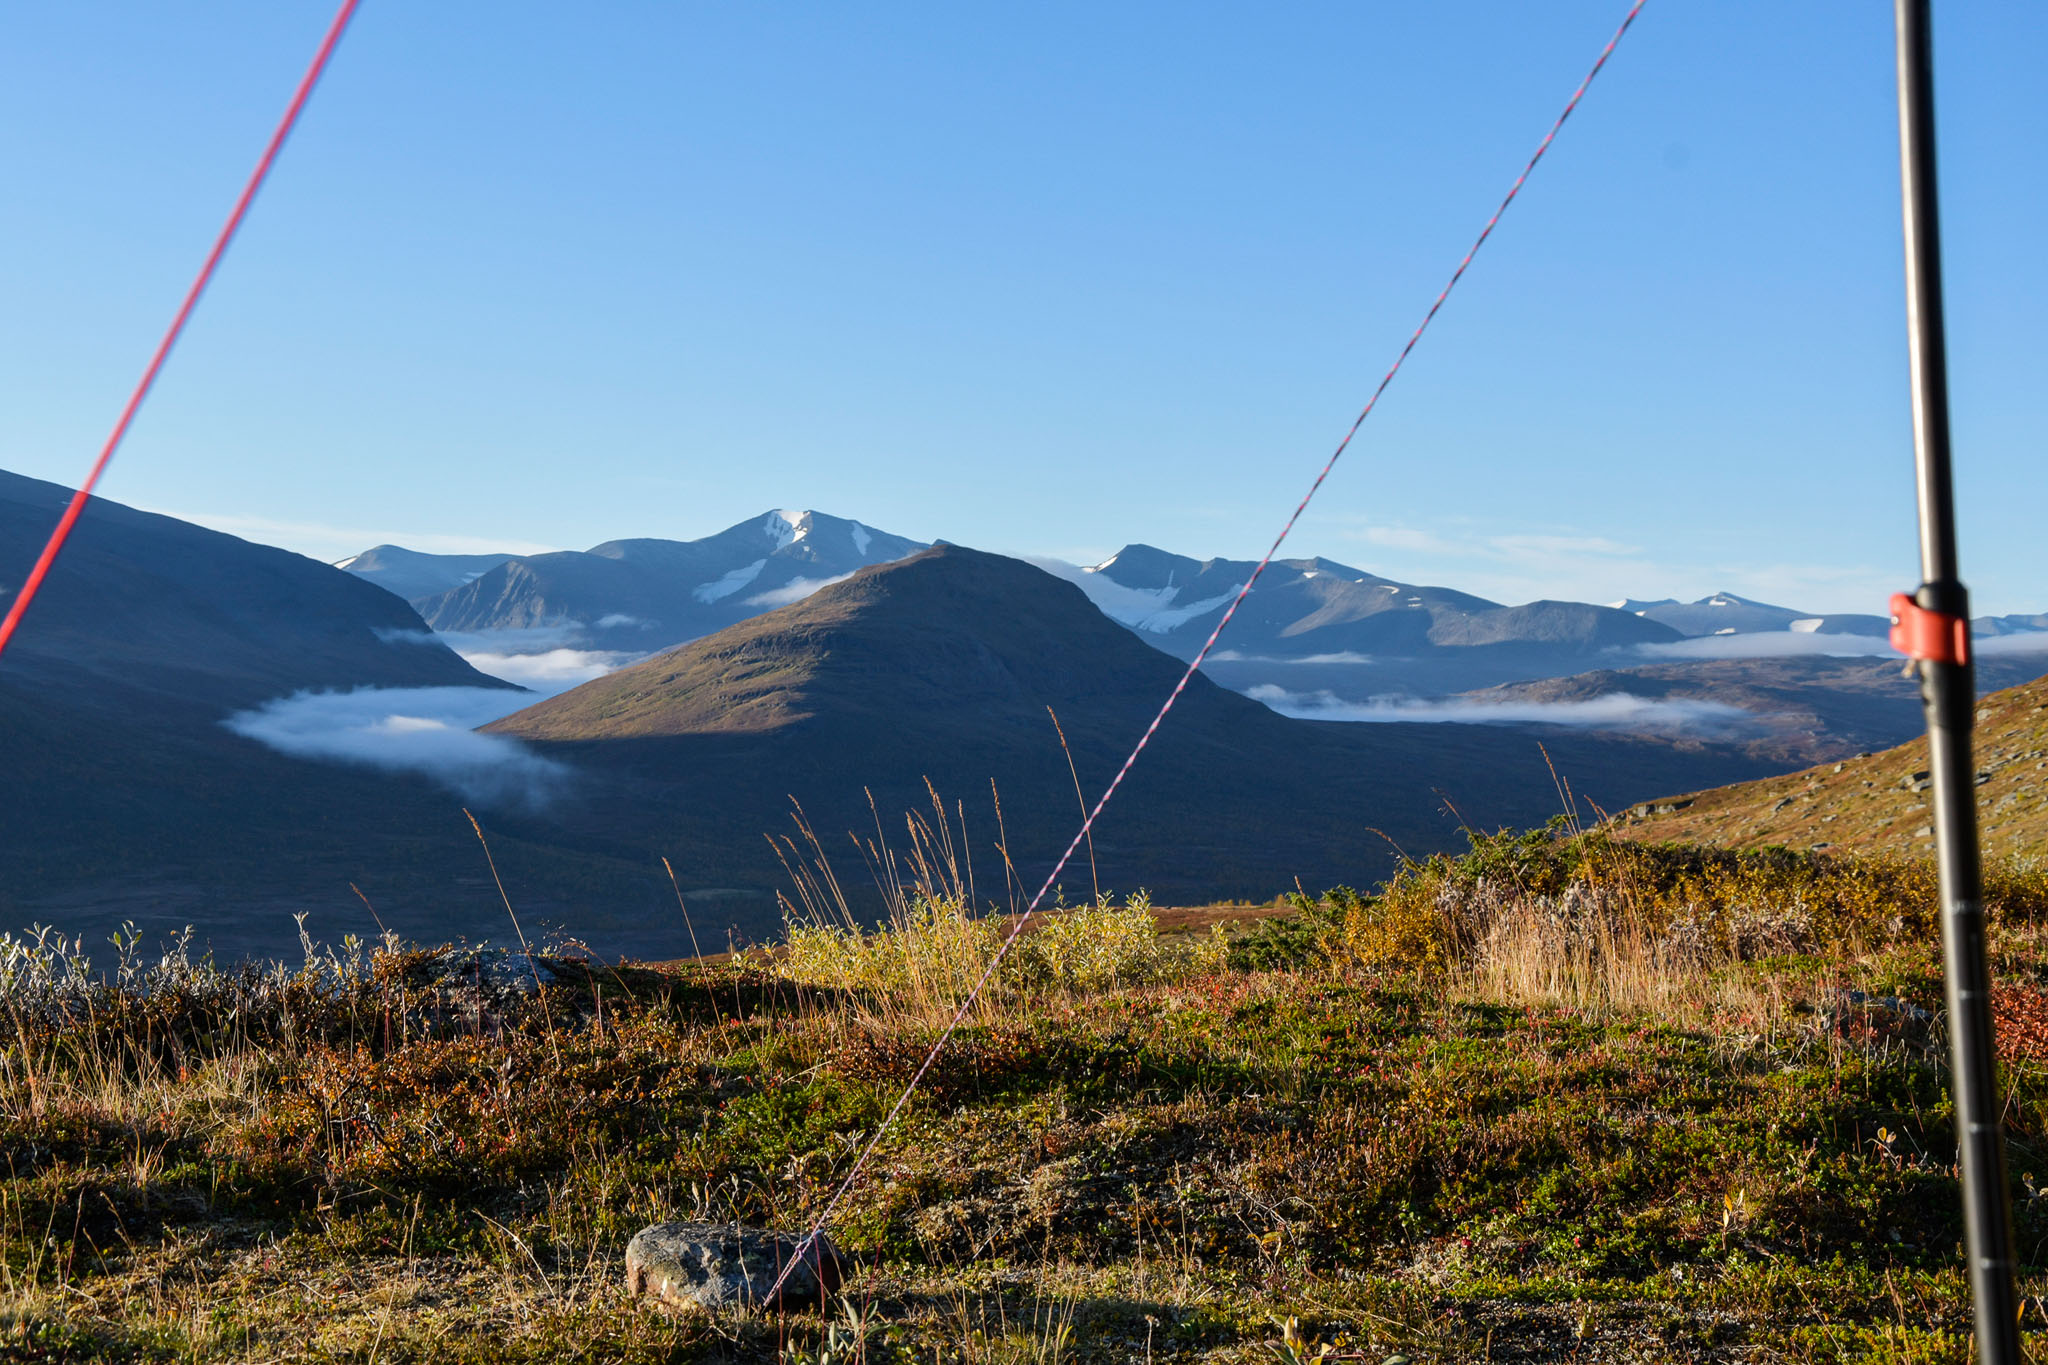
[76,506]
[1089,824]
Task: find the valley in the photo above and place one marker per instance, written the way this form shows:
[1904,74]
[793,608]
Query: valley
[210,733]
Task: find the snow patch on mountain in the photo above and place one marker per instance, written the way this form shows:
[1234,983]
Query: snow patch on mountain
[734,581]
[785,528]
[1159,622]
[861,539]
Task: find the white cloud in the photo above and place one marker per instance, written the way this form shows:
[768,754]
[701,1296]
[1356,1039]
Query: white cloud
[544,659]
[1346,656]
[515,639]
[550,671]
[1768,644]
[796,590]
[2026,642]
[1615,711]
[428,730]
[619,618]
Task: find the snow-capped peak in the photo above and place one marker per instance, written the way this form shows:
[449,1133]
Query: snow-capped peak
[786,528]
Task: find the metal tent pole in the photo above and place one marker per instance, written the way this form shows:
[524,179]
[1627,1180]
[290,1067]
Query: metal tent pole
[1932,626]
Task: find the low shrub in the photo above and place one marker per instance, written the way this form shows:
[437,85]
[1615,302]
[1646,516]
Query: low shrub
[936,950]
[1558,912]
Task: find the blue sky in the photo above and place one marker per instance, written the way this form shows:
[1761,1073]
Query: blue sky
[1040,280]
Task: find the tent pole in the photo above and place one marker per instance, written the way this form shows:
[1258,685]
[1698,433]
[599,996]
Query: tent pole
[1933,627]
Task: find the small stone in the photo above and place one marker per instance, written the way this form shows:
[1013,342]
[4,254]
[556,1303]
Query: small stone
[724,1265]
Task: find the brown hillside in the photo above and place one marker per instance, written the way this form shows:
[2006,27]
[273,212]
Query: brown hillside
[1877,801]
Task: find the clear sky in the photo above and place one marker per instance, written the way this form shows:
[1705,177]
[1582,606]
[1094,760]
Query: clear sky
[1043,278]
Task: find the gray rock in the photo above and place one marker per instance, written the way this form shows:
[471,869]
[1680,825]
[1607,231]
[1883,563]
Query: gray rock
[724,1265]
[496,971]
[1848,1001]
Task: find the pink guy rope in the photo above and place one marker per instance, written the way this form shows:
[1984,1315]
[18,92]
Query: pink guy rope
[860,1162]
[76,506]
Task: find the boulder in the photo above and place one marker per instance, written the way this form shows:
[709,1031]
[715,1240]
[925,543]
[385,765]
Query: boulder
[725,1265]
[489,970]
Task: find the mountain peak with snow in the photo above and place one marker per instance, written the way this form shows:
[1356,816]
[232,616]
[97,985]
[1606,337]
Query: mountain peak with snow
[648,593]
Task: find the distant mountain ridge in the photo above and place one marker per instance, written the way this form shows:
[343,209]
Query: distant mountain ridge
[638,595]
[414,575]
[1318,637]
[1725,614]
[1319,606]
[634,596]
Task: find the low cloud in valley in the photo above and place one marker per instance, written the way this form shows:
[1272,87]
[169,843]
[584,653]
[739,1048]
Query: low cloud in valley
[430,730]
[1616,711]
[796,590]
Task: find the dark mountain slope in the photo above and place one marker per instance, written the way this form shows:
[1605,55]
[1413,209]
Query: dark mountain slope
[125,797]
[147,603]
[941,667]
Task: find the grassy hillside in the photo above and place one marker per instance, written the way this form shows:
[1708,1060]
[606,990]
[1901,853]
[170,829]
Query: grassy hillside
[1517,1108]
[1878,801]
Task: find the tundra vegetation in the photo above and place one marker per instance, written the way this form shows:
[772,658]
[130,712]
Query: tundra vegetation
[1563,1097]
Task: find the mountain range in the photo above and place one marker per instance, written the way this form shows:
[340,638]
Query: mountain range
[634,596]
[1318,638]
[1726,614]
[155,707]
